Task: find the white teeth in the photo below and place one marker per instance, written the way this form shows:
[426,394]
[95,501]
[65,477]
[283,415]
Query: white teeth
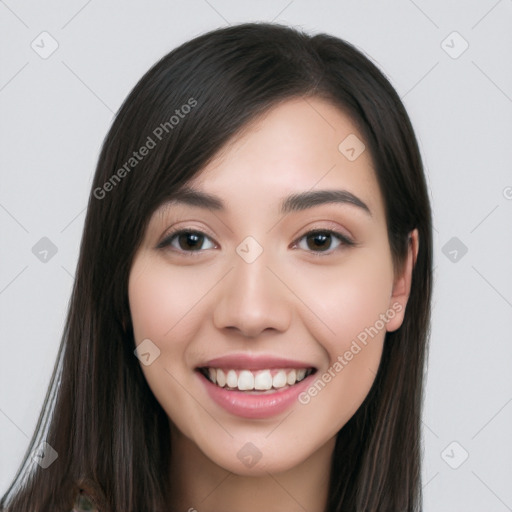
[261,380]
[232,379]
[291,378]
[245,381]
[221,378]
[301,374]
[279,380]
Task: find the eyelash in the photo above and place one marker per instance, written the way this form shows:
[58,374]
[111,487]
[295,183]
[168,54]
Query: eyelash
[344,241]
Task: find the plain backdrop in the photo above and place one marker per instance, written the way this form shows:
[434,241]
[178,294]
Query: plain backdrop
[451,63]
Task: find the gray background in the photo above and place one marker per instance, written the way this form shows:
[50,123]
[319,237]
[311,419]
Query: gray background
[55,112]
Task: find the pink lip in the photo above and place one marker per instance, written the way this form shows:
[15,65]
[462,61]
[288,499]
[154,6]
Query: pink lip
[254,406]
[246,362]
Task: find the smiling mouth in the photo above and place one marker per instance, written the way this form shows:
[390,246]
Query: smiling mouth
[264,380]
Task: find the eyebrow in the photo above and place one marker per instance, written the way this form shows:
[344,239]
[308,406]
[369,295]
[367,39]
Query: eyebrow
[292,203]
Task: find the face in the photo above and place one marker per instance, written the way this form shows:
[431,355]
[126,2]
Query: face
[266,324]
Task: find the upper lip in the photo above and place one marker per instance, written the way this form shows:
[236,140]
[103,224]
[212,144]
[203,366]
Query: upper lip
[253,362]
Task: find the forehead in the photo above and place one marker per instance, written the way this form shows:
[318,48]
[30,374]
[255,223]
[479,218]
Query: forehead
[300,144]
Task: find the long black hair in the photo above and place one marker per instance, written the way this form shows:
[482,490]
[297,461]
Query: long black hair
[100,416]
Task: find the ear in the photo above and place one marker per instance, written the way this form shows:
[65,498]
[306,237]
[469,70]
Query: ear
[402,284]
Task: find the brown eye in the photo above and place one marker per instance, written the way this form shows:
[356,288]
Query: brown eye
[188,241]
[185,241]
[321,241]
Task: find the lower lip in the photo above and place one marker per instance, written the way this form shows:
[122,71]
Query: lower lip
[255,406]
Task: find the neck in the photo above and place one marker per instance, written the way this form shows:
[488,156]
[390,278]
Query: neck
[198,484]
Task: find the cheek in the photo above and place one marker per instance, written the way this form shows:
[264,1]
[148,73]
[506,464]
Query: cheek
[351,300]
[348,297]
[159,300]
[164,308]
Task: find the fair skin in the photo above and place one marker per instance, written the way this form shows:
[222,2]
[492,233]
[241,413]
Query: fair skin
[203,303]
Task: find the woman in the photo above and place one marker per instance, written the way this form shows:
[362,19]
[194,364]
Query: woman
[249,321]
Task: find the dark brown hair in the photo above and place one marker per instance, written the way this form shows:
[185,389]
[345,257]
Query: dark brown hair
[111,434]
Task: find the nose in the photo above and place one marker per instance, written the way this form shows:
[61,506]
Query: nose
[252,298]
